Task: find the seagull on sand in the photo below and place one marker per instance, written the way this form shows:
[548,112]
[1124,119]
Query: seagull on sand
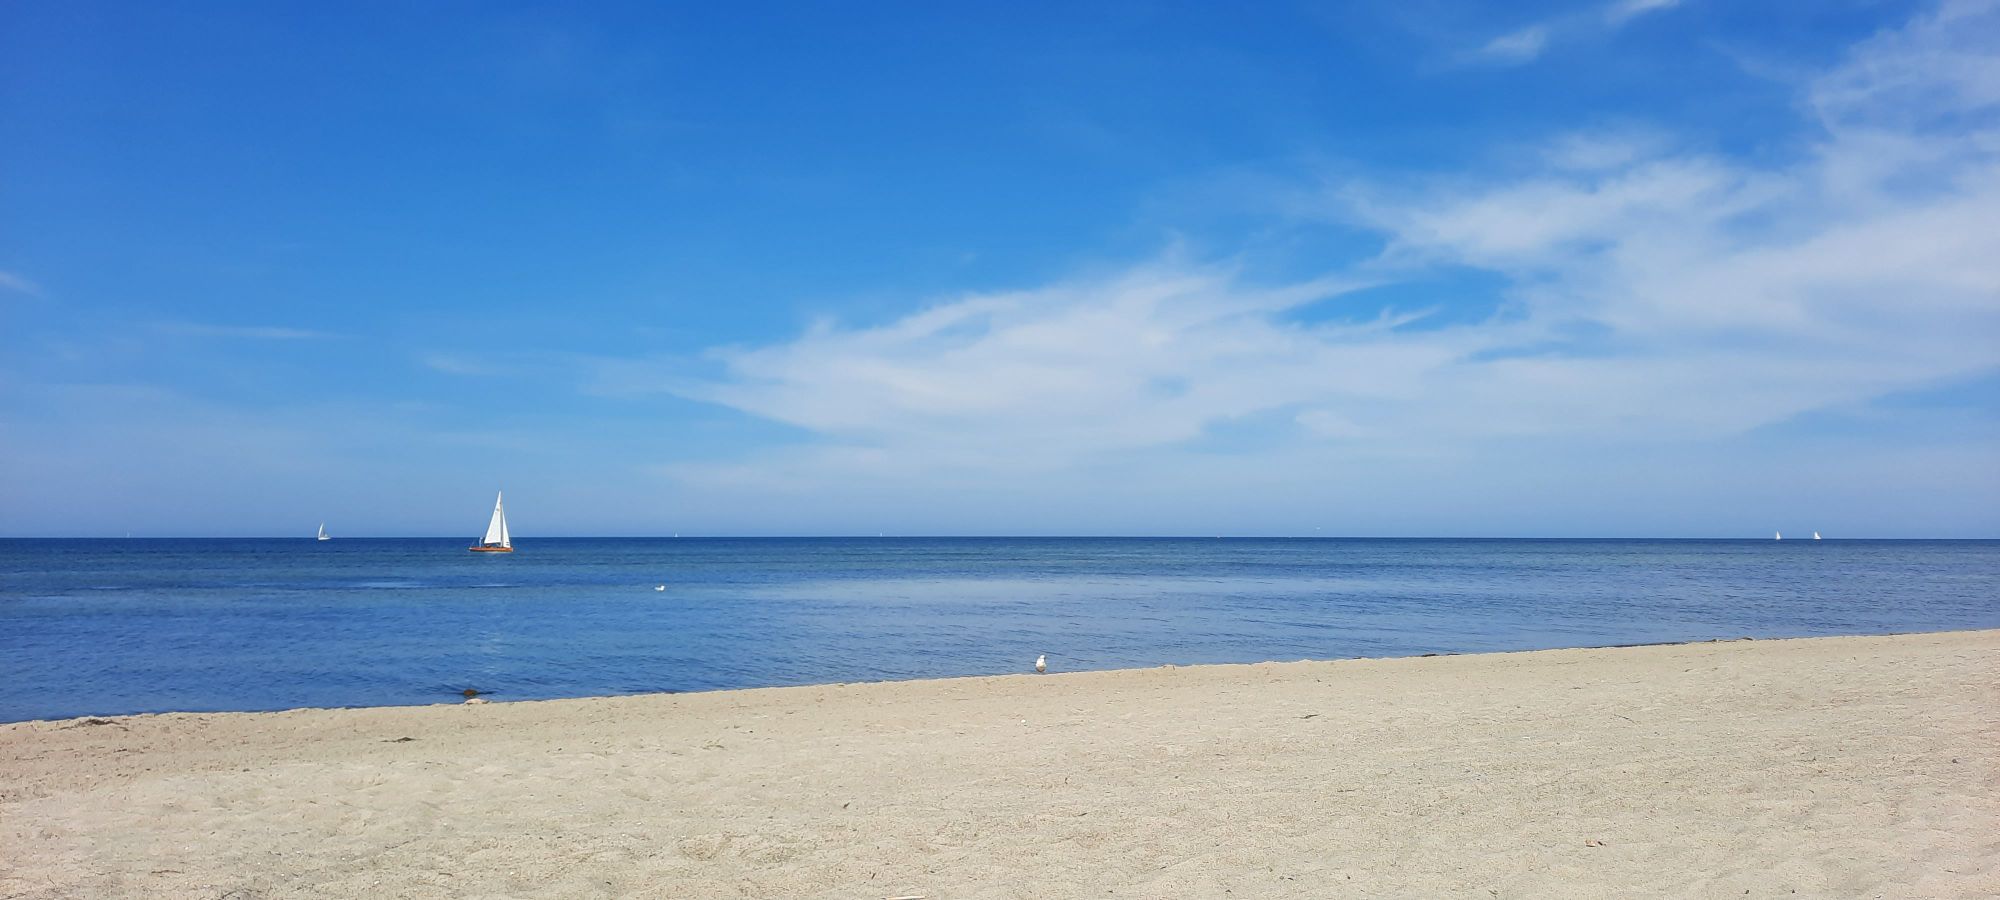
[1041,664]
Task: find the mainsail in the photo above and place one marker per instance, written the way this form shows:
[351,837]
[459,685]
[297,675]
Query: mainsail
[496,530]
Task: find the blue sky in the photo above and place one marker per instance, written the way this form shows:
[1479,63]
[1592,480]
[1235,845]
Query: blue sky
[1616,268]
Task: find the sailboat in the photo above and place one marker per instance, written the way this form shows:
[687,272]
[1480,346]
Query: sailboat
[1815,535]
[1777,535]
[322,532]
[496,540]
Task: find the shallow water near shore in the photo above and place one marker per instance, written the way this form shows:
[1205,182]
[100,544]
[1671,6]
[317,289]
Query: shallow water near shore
[101,627]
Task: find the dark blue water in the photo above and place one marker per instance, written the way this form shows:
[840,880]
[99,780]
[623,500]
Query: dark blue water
[110,626]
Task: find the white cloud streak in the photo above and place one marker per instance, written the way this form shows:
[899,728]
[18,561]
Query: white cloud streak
[1527,44]
[10,282]
[458,365]
[1619,13]
[242,332]
[1515,47]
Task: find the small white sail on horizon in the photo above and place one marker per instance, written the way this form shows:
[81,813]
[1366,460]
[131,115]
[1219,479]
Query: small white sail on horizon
[1815,535]
[496,539]
[323,536]
[1777,535]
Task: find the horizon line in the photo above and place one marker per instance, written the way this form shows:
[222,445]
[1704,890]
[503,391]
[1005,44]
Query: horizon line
[886,536]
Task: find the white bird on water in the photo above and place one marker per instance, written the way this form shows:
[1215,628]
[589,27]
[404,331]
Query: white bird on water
[1041,664]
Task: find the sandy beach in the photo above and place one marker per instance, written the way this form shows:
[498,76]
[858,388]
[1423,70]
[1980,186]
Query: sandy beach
[1838,767]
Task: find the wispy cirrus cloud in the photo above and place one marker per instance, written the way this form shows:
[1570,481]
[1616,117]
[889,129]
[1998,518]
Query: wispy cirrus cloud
[453,364]
[243,332]
[1514,47]
[1619,13]
[1527,44]
[10,282]
[1650,294]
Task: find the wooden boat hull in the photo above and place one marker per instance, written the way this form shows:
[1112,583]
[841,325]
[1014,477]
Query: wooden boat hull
[491,549]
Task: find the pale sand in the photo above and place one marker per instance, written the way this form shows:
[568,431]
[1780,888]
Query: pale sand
[1845,767]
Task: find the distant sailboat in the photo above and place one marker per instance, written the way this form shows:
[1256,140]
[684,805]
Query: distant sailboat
[496,540]
[1777,535]
[1815,535]
[322,532]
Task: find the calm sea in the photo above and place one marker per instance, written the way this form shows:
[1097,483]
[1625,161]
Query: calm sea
[92,627]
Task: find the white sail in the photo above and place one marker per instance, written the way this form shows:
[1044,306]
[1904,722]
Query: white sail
[496,530]
[1815,535]
[322,531]
[1777,535]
